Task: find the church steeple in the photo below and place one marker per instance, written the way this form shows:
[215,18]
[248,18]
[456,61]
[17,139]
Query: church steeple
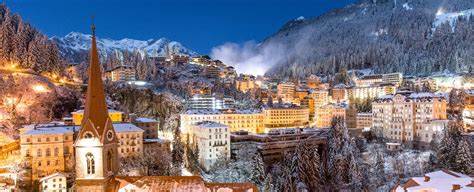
[96,119]
[96,143]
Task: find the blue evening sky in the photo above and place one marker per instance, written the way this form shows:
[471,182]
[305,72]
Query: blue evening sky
[198,24]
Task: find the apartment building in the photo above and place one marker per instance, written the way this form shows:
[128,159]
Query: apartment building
[370,91]
[364,120]
[47,150]
[210,102]
[406,116]
[213,140]
[326,113]
[320,97]
[130,139]
[339,93]
[150,126]
[247,120]
[121,73]
[286,92]
[285,116]
[369,80]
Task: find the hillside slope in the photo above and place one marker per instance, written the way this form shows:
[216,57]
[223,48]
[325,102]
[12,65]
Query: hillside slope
[416,37]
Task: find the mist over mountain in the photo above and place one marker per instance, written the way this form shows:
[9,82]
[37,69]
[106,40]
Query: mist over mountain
[75,46]
[416,37]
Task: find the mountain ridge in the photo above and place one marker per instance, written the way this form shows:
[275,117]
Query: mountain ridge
[74,46]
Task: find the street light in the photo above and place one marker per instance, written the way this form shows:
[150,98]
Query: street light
[39,88]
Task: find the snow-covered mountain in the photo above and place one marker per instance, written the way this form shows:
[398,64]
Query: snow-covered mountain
[74,46]
[417,37]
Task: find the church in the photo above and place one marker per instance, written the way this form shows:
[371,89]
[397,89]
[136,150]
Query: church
[96,153]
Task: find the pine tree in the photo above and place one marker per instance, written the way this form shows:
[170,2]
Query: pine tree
[258,170]
[270,101]
[268,184]
[178,152]
[355,175]
[463,158]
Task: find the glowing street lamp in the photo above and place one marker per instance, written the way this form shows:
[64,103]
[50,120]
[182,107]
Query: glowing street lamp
[39,88]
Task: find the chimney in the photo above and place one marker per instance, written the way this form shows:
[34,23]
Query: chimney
[456,187]
[427,179]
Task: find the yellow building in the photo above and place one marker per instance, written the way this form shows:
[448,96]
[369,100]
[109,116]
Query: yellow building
[115,116]
[407,116]
[245,84]
[286,92]
[320,97]
[326,113]
[247,120]
[285,116]
[47,150]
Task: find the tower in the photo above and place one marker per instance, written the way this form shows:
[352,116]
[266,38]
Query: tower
[96,142]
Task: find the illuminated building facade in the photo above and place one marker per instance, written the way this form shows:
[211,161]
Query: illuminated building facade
[285,116]
[121,73]
[370,91]
[364,120]
[247,120]
[286,91]
[407,116]
[326,113]
[209,102]
[213,140]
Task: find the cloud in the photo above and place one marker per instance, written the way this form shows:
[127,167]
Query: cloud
[248,58]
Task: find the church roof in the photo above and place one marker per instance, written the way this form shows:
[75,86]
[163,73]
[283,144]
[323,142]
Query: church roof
[96,119]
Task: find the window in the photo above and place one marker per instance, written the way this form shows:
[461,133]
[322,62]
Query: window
[90,163]
[56,151]
[48,152]
[38,153]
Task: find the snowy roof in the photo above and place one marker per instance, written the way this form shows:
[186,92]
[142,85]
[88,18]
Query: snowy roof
[157,140]
[442,180]
[53,175]
[340,86]
[48,131]
[217,112]
[423,95]
[145,120]
[109,110]
[51,130]
[210,124]
[125,127]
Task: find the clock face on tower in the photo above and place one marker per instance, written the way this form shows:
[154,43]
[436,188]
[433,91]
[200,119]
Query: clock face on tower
[110,135]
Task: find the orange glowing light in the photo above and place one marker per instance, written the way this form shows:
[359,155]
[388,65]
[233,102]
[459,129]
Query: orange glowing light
[39,88]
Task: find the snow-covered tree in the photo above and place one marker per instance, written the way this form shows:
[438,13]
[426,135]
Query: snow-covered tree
[258,170]
[177,153]
[268,184]
[463,158]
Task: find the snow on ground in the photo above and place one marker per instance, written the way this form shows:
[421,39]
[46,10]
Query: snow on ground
[185,172]
[451,17]
[407,7]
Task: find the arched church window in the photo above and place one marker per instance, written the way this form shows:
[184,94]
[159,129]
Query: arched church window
[90,163]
